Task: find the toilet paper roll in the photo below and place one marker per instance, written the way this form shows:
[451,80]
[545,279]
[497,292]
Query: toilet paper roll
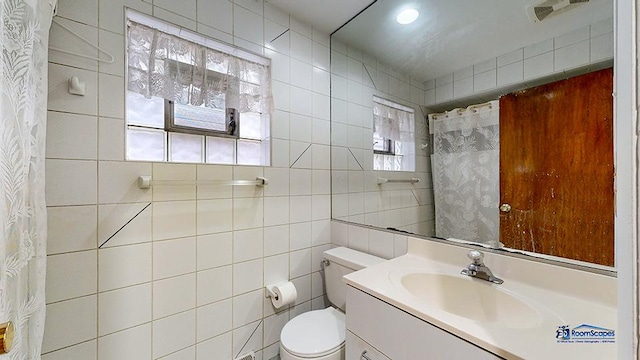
[283,294]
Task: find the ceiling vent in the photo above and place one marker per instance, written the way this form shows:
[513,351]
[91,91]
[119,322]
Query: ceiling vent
[545,9]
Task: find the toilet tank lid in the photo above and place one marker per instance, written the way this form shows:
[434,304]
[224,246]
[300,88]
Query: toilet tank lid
[351,259]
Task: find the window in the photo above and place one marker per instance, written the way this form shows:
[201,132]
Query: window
[187,102]
[393,136]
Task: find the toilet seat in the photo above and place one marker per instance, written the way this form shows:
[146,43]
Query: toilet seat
[314,334]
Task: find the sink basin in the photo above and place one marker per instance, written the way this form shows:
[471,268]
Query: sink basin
[470,298]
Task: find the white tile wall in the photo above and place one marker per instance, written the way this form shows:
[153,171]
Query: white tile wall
[552,57]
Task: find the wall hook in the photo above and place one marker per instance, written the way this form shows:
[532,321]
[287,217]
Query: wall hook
[76,87]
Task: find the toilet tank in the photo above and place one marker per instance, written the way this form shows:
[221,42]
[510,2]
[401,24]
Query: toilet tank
[343,261]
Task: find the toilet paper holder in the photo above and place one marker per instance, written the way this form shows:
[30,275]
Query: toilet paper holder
[269,291]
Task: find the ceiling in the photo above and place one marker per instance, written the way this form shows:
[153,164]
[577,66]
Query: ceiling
[325,15]
[447,36]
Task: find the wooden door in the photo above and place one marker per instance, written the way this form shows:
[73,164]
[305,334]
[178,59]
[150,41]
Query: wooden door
[556,168]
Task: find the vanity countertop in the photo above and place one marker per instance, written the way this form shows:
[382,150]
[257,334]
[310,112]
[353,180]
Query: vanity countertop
[560,296]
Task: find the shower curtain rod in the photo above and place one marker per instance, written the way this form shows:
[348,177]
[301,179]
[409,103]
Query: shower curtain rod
[473,108]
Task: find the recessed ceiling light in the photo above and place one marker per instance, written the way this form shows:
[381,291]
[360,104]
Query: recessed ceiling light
[408,16]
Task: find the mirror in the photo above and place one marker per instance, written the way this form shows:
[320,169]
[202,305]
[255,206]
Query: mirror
[456,62]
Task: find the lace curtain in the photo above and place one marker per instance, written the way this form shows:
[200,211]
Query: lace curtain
[465,170]
[392,123]
[24,37]
[173,68]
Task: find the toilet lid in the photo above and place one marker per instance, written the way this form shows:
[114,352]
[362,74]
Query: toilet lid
[314,333]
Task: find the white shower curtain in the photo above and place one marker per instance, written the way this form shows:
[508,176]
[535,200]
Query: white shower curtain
[465,169]
[24,38]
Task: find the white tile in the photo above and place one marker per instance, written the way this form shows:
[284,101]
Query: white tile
[573,37]
[115,44]
[602,47]
[538,66]
[217,348]
[111,13]
[321,81]
[300,263]
[317,288]
[214,250]
[111,145]
[511,74]
[119,182]
[321,182]
[381,243]
[317,255]
[484,81]
[339,233]
[321,157]
[82,267]
[83,351]
[276,269]
[174,257]
[400,245]
[59,97]
[175,219]
[459,75]
[572,56]
[71,228]
[280,153]
[280,66]
[301,47]
[247,173]
[538,48]
[301,27]
[214,285]
[444,93]
[247,337]
[216,13]
[247,276]
[321,232]
[214,319]
[484,66]
[303,288]
[273,327]
[71,182]
[300,180]
[276,240]
[81,312]
[174,18]
[280,124]
[124,308]
[278,182]
[184,354]
[247,245]
[321,56]
[273,36]
[247,308]
[60,145]
[213,33]
[444,80]
[354,92]
[602,27]
[320,207]
[510,58]
[111,96]
[247,25]
[167,171]
[124,224]
[321,132]
[358,238]
[300,236]
[130,344]
[83,11]
[301,101]
[463,87]
[214,172]
[430,97]
[124,266]
[247,213]
[299,208]
[174,295]
[300,128]
[185,8]
[179,328]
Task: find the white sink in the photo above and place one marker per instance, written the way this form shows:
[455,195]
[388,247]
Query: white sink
[473,299]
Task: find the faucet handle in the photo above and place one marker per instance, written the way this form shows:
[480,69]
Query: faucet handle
[476,256]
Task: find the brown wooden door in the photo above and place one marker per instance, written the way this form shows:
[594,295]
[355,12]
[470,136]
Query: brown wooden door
[556,168]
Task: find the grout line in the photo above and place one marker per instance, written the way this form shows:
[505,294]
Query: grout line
[250,336]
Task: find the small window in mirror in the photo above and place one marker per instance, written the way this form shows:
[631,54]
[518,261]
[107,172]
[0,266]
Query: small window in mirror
[393,136]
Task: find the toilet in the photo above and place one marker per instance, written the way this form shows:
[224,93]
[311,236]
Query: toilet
[320,334]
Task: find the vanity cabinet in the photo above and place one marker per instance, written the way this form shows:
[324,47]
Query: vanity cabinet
[387,332]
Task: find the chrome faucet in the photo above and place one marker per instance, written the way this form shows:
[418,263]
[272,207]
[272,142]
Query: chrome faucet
[478,269]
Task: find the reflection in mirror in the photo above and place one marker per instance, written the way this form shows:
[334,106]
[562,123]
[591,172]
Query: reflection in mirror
[451,68]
